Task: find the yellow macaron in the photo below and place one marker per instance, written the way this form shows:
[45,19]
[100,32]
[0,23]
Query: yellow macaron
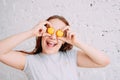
[50,30]
[59,33]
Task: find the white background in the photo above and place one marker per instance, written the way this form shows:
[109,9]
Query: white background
[96,22]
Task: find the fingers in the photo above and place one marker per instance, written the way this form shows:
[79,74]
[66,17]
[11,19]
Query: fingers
[40,32]
[41,28]
[70,35]
[47,24]
[46,34]
[43,24]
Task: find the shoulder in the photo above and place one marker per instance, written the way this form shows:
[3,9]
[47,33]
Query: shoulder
[71,52]
[70,57]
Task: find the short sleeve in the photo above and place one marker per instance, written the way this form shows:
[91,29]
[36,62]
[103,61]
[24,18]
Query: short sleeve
[27,69]
[72,55]
[26,63]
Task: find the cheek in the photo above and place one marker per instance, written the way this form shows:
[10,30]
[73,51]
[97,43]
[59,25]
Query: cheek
[61,42]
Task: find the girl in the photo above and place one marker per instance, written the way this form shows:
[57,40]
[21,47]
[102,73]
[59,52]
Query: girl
[53,57]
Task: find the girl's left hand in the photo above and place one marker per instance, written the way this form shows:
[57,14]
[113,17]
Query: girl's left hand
[69,36]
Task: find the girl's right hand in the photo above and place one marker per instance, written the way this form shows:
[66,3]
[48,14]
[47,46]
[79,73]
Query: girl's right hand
[40,28]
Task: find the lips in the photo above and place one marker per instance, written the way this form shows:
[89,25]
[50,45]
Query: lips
[51,43]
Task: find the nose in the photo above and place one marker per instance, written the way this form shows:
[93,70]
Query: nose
[53,36]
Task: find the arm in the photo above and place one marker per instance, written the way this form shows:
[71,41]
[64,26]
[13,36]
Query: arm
[13,58]
[9,43]
[90,57]
[87,56]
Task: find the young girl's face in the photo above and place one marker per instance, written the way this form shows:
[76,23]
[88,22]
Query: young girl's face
[51,44]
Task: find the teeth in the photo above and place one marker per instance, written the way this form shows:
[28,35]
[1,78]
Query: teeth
[52,44]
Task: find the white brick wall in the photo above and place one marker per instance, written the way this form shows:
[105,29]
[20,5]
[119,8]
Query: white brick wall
[96,22]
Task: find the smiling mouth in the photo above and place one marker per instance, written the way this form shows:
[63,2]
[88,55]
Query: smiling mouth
[51,44]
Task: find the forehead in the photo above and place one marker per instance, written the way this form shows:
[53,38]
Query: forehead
[57,24]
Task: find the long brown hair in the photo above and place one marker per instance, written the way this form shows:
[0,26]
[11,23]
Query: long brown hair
[64,47]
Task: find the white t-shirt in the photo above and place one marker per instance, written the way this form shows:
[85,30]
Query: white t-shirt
[59,66]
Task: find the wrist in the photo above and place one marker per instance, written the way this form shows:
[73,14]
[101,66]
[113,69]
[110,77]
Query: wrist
[31,33]
[77,44]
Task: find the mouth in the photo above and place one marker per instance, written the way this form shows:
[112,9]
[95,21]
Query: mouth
[51,43]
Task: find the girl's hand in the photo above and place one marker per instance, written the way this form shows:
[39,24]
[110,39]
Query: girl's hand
[69,36]
[40,29]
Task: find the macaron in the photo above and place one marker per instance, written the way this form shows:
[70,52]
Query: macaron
[59,33]
[50,30]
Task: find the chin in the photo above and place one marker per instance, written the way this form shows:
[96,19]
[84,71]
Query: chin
[51,50]
[51,46]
